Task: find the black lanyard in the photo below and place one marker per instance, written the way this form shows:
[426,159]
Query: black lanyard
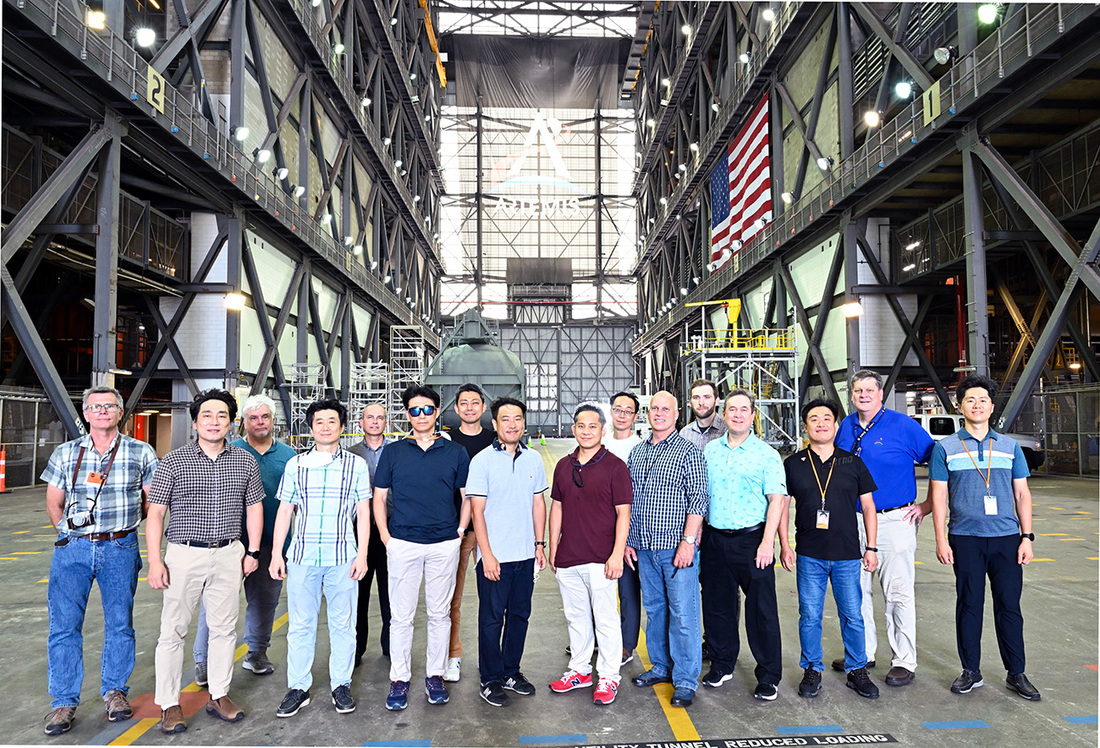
[103,481]
[857,444]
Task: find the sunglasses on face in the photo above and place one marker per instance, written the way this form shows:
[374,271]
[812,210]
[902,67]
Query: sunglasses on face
[422,410]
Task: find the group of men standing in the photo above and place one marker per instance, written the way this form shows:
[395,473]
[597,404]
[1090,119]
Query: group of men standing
[632,523]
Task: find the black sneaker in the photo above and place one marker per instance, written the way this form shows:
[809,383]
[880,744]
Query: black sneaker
[715,678]
[494,695]
[860,682]
[765,692]
[519,684]
[1021,685]
[810,685]
[294,700]
[967,681]
[342,700]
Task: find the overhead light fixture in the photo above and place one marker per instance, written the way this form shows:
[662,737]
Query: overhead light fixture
[683,291]
[364,102]
[374,264]
[694,147]
[768,15]
[715,107]
[234,301]
[760,223]
[145,36]
[666,82]
[404,172]
[909,267]
[299,190]
[315,3]
[912,245]
[744,57]
[357,250]
[989,12]
[686,29]
[120,372]
[348,240]
[824,163]
[398,163]
[663,201]
[851,309]
[416,198]
[386,140]
[787,197]
[96,19]
[240,132]
[262,155]
[944,55]
[903,89]
[412,76]
[1075,365]
[650,122]
[872,118]
[338,48]
[736,244]
[326,217]
[683,167]
[281,173]
[387,279]
[393,21]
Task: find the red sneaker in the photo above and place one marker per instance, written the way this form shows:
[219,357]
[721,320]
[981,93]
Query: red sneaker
[571,680]
[605,692]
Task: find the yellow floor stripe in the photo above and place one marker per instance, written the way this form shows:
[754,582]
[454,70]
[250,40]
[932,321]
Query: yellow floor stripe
[678,719]
[8,558]
[25,553]
[20,532]
[1042,559]
[1058,508]
[1053,534]
[1065,539]
[140,728]
[1093,558]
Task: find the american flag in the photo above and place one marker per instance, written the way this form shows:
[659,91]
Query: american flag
[740,187]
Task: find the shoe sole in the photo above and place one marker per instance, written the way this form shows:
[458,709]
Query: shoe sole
[175,730]
[436,700]
[397,707]
[769,697]
[840,668]
[345,710]
[1036,697]
[119,717]
[448,679]
[521,692]
[900,683]
[626,660]
[979,684]
[252,668]
[680,703]
[490,703]
[57,730]
[571,688]
[280,713]
[718,683]
[651,683]
[809,694]
[215,713]
[861,693]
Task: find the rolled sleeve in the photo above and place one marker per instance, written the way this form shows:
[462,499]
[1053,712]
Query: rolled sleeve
[696,485]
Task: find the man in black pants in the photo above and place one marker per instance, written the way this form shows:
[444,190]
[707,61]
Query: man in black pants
[373,422]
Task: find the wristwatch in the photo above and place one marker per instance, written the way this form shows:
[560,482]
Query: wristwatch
[541,542]
[689,539]
[872,549]
[1029,535]
[253,554]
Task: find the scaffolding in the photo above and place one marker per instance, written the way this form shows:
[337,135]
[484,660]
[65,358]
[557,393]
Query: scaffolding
[759,360]
[306,384]
[369,384]
[407,351]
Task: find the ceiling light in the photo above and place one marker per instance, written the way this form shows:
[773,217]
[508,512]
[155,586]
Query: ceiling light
[787,197]
[1075,365]
[338,48]
[398,163]
[348,241]
[240,132]
[393,21]
[760,223]
[872,118]
[736,244]
[412,76]
[824,163]
[903,89]
[851,309]
[988,12]
[663,201]
[127,373]
[281,173]
[262,155]
[650,122]
[96,19]
[666,82]
[386,140]
[416,198]
[683,167]
[315,3]
[944,55]
[374,264]
[145,37]
[364,102]
[683,291]
[387,279]
[768,15]
[326,217]
[744,57]
[357,250]
[234,302]
[912,245]
[299,190]
[908,267]
[686,29]
[715,107]
[397,290]
[694,147]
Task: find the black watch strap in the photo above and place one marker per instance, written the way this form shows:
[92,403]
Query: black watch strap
[253,554]
[1029,535]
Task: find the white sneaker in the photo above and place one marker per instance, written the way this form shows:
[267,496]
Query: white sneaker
[454,670]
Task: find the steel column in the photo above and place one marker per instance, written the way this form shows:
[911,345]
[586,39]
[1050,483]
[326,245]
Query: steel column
[104,330]
[977,319]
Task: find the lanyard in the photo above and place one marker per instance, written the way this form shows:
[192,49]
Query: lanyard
[857,445]
[810,454]
[989,466]
[103,482]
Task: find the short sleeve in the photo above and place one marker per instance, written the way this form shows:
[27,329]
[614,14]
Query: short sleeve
[477,477]
[463,468]
[54,473]
[622,490]
[383,474]
[864,482]
[920,441]
[696,485]
[1019,463]
[540,475]
[164,479]
[254,493]
[288,485]
[937,464]
[775,476]
[149,464]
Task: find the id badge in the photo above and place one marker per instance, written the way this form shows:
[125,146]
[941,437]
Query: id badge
[94,479]
[822,519]
[990,504]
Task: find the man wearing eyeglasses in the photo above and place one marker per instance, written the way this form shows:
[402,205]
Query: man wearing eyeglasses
[589,519]
[95,495]
[422,539]
[624,412]
[669,477]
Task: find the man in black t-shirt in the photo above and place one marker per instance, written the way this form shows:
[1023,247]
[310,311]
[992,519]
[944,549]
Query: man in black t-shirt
[470,406]
[825,483]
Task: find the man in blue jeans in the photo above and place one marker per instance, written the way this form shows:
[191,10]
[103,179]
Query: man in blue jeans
[669,476]
[826,482]
[95,497]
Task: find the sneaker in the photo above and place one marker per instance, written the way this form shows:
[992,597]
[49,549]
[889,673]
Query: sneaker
[715,678]
[436,690]
[294,700]
[60,720]
[200,674]
[224,708]
[519,684]
[453,671]
[118,708]
[399,695]
[765,692]
[682,697]
[256,661]
[493,694]
[628,656]
[606,691]
[342,700]
[838,664]
[810,685]
[1021,685]
[570,681]
[860,682]
[967,681]
[172,721]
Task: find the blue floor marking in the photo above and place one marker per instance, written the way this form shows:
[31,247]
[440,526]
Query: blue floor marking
[539,739]
[808,729]
[400,743]
[110,732]
[1082,720]
[955,725]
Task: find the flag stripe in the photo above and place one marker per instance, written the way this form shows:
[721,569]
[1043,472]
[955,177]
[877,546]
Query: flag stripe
[741,185]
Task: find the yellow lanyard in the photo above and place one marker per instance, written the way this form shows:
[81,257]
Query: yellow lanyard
[816,478]
[989,467]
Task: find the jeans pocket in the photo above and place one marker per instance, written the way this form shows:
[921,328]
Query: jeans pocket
[126,543]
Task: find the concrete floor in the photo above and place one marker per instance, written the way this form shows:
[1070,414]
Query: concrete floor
[1060,609]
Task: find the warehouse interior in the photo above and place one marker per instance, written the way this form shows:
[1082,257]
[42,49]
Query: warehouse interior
[310,197]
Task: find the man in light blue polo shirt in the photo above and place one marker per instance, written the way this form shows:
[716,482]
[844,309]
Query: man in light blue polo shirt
[980,476]
[747,490]
[507,491]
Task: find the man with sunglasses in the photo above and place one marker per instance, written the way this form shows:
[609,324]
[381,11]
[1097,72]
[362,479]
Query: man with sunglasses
[422,539]
[507,493]
[95,493]
[589,520]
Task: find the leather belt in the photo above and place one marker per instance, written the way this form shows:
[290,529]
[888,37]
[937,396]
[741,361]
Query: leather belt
[903,506]
[100,536]
[734,533]
[211,544]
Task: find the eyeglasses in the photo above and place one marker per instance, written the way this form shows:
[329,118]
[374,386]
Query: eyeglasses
[101,408]
[622,412]
[578,479]
[422,410]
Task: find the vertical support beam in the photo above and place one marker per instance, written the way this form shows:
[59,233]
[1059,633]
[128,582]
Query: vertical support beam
[599,217]
[233,319]
[304,290]
[236,64]
[966,15]
[977,322]
[846,98]
[480,198]
[346,348]
[850,231]
[775,137]
[104,331]
[304,119]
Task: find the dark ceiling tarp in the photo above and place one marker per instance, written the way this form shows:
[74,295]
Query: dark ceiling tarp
[536,73]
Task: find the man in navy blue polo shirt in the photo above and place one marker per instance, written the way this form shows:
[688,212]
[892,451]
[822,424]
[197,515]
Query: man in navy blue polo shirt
[889,443]
[980,476]
[422,538]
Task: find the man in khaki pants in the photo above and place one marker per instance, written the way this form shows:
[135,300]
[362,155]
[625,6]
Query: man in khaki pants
[204,487]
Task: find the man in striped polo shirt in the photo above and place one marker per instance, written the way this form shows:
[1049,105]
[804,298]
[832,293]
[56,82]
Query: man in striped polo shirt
[981,477]
[328,487]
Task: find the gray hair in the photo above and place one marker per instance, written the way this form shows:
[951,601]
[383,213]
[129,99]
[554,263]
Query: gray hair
[590,408]
[743,393]
[865,374]
[258,401]
[102,389]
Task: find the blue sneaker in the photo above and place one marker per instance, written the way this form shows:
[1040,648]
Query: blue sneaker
[436,690]
[399,695]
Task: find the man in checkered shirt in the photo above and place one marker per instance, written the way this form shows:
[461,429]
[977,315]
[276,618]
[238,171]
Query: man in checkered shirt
[671,497]
[96,488]
[203,487]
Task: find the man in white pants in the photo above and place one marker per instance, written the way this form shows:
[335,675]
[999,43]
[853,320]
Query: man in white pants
[889,443]
[589,521]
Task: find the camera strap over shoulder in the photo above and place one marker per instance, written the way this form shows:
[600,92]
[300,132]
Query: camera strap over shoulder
[103,481]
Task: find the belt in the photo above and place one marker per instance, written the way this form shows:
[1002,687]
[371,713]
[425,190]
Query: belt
[100,536]
[211,544]
[734,533]
[903,506]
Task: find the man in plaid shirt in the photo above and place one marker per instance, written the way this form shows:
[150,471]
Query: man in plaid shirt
[96,488]
[327,487]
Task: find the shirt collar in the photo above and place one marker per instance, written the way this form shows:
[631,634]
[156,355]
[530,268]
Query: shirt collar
[964,434]
[501,448]
[726,440]
[88,444]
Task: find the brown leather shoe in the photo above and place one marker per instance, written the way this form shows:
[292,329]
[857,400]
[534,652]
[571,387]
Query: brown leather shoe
[899,676]
[224,708]
[172,721]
